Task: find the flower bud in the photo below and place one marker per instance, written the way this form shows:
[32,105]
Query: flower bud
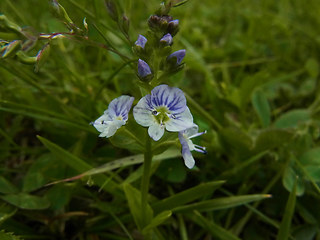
[125,23]
[159,23]
[112,10]
[141,42]
[173,27]
[166,39]
[42,56]
[178,56]
[144,71]
[11,48]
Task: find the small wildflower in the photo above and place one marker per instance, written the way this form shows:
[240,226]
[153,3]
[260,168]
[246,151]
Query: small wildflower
[114,117]
[164,108]
[188,146]
[143,69]
[166,39]
[179,55]
[141,42]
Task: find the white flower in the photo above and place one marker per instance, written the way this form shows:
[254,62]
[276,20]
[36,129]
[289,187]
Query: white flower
[164,108]
[114,117]
[188,146]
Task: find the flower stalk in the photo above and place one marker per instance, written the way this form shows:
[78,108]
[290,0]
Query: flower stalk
[146,179]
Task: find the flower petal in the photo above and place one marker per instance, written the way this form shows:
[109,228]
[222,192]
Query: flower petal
[186,154]
[142,112]
[120,107]
[192,130]
[156,131]
[171,97]
[180,121]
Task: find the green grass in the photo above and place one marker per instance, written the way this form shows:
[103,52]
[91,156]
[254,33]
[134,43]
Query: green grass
[251,78]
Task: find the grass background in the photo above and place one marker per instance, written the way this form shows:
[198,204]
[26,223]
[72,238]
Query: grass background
[251,80]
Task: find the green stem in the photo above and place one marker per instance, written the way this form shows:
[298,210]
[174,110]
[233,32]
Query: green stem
[146,180]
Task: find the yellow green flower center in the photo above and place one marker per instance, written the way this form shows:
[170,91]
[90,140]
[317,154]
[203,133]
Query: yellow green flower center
[161,115]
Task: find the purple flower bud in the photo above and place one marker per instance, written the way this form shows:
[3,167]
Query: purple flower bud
[143,69]
[174,22]
[173,27]
[167,39]
[179,55]
[141,42]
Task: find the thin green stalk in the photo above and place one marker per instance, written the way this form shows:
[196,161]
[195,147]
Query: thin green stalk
[203,112]
[146,180]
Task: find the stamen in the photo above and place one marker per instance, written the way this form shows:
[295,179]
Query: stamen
[200,149]
[155,113]
[197,134]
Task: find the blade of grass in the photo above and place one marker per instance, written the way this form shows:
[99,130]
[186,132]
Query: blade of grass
[186,196]
[284,231]
[221,203]
[214,229]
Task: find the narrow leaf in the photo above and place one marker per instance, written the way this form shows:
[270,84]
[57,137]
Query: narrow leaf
[157,220]
[221,203]
[6,186]
[284,230]
[261,106]
[186,196]
[133,196]
[214,229]
[26,201]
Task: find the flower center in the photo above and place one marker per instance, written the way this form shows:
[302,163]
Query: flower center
[161,115]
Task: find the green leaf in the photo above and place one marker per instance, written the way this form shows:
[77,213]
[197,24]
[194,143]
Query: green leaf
[77,164]
[8,236]
[261,106]
[292,118]
[6,186]
[157,220]
[221,203]
[272,138]
[284,231]
[172,170]
[59,195]
[133,196]
[292,176]
[186,196]
[312,66]
[214,229]
[43,170]
[235,141]
[26,201]
[311,163]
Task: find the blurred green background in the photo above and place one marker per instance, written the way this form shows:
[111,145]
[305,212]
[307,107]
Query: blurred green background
[251,78]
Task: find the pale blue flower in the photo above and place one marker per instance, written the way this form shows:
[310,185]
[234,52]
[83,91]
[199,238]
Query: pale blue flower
[179,55]
[167,39]
[114,117]
[164,108]
[141,42]
[188,146]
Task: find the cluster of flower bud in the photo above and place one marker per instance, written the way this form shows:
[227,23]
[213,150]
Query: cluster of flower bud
[155,51]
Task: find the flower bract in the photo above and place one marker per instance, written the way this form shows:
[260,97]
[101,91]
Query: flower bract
[114,117]
[164,108]
[188,146]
